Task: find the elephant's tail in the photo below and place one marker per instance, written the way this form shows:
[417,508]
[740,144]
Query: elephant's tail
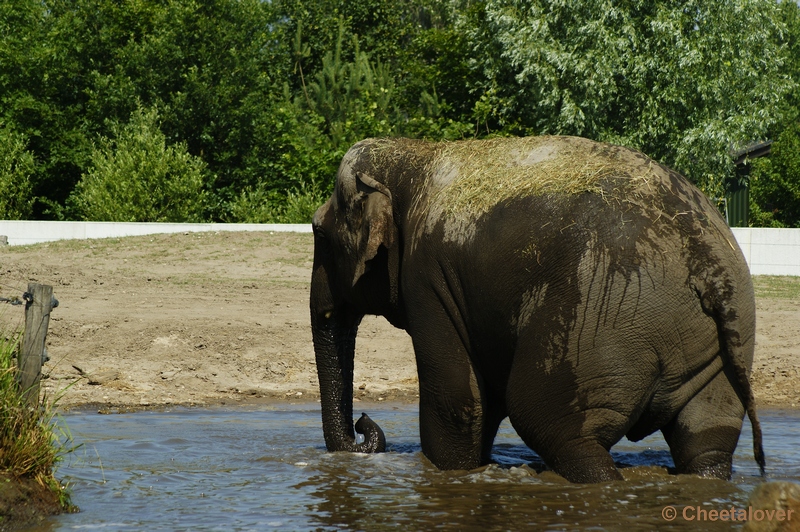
[743,380]
[733,309]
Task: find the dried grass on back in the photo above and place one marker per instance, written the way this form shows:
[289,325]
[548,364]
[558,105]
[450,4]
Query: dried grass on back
[494,170]
[486,172]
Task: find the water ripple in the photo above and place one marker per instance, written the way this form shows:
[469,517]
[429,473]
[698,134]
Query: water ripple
[256,469]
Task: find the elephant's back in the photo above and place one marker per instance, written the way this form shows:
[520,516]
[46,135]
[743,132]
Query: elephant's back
[659,240]
[545,205]
[472,177]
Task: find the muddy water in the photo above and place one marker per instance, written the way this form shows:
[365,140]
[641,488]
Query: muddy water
[266,468]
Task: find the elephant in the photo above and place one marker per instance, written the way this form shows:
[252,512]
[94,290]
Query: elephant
[580,289]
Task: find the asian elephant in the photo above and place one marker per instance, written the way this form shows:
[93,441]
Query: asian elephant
[580,289]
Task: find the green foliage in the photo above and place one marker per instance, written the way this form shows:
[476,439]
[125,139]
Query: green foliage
[775,183]
[343,102]
[299,157]
[209,67]
[385,29]
[353,98]
[31,443]
[684,82]
[136,176]
[260,206]
[16,167]
[29,66]
[269,95]
[789,13]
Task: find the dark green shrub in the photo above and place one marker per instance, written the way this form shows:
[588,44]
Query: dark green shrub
[16,168]
[137,177]
[775,183]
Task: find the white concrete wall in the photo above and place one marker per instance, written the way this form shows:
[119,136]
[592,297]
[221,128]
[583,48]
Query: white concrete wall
[768,251]
[21,232]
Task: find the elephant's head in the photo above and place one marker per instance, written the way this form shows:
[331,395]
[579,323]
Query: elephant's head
[355,272]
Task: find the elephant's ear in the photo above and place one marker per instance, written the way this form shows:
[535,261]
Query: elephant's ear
[377,221]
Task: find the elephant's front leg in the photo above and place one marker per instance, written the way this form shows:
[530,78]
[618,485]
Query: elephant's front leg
[457,426]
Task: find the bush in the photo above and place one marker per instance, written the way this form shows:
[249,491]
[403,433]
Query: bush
[16,167]
[136,177]
[260,206]
[775,183]
[31,444]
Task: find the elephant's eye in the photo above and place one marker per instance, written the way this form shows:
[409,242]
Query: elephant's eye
[318,232]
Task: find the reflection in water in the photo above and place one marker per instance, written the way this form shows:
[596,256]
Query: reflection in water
[266,468]
[501,498]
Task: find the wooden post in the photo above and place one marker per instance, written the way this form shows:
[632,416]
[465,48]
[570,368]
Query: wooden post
[38,304]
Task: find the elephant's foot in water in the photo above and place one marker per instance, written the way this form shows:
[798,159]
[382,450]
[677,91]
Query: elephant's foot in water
[585,462]
[712,464]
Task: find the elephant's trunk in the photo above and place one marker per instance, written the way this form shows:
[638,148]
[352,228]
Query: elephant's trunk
[334,348]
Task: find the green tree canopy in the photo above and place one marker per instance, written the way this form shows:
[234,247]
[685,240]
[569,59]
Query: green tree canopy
[775,183]
[269,95]
[16,168]
[685,82]
[789,14]
[136,177]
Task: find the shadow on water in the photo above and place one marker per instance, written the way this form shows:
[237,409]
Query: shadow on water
[266,468]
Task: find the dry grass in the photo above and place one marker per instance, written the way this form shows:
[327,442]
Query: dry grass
[491,171]
[478,174]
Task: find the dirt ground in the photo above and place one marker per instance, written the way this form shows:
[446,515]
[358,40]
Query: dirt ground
[222,318]
[25,502]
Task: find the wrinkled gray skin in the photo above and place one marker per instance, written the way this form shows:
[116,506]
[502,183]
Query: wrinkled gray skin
[583,317]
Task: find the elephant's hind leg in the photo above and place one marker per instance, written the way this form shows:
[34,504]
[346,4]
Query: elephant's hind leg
[574,443]
[704,434]
[581,459]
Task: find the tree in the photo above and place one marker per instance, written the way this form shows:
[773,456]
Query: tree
[789,13]
[16,168]
[271,94]
[69,68]
[775,183]
[685,82]
[29,66]
[412,42]
[346,102]
[137,177]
